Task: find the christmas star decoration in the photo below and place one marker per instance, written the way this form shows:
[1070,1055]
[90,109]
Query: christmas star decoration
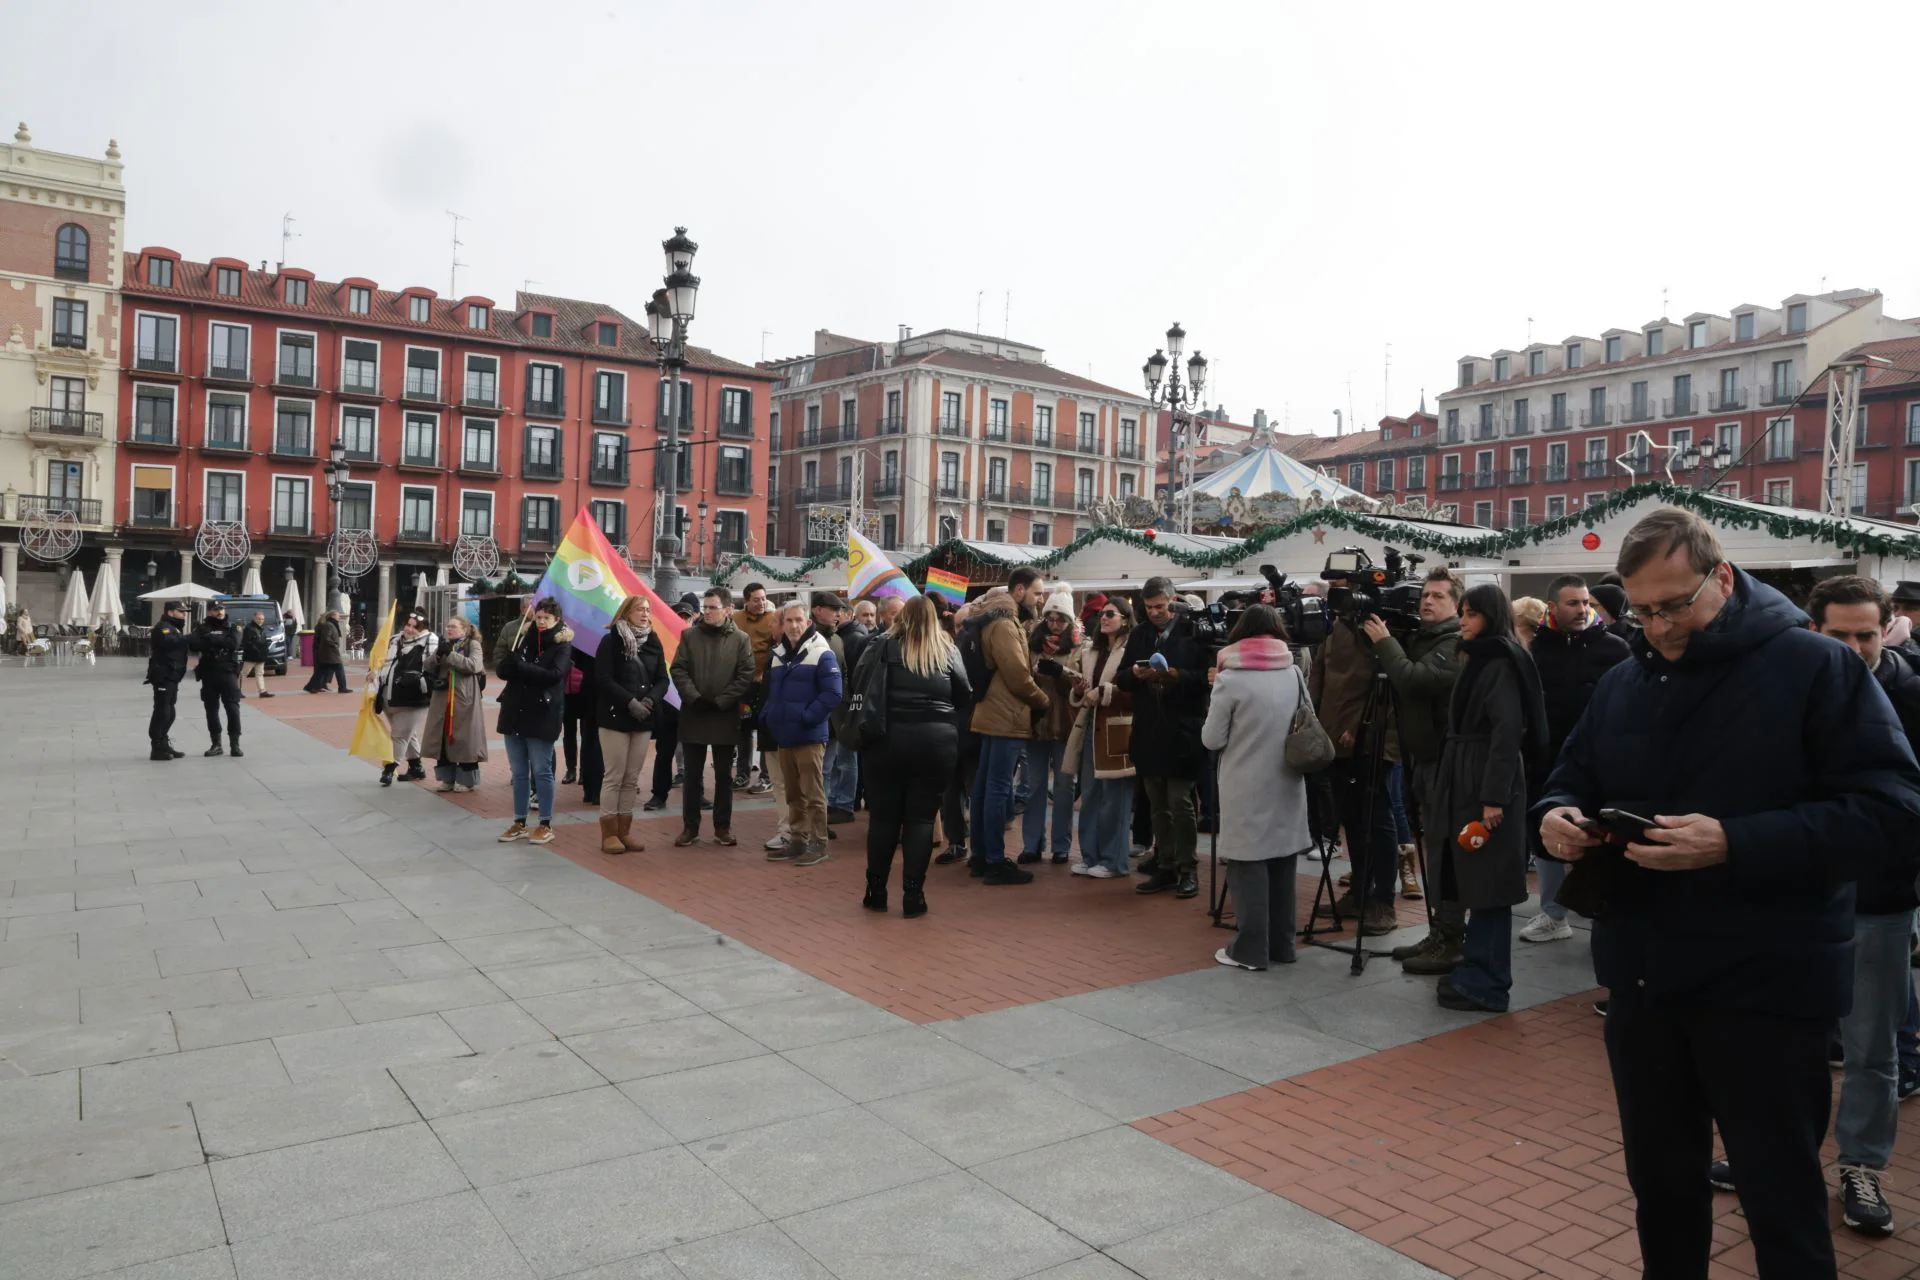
[1625,460]
[1319,535]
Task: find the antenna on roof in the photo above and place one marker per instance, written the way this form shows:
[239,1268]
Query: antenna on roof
[764,335]
[526,286]
[1663,302]
[453,274]
[978,299]
[1529,330]
[287,233]
[1386,382]
[1006,315]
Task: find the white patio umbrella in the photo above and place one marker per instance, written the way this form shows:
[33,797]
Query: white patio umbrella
[420,591]
[106,598]
[74,609]
[180,591]
[251,585]
[290,603]
[3,597]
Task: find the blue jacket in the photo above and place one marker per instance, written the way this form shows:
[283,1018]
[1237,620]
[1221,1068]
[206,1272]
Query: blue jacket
[803,685]
[1785,737]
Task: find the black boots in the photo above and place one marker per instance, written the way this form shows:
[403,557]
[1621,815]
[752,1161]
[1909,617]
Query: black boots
[161,753]
[913,902]
[215,750]
[415,773]
[876,899]
[233,747]
[386,773]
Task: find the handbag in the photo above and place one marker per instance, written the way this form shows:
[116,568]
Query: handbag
[1308,748]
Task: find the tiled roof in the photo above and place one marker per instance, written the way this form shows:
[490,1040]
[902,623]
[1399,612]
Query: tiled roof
[574,316]
[1902,367]
[1014,371]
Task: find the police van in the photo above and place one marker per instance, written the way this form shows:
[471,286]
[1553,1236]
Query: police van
[240,611]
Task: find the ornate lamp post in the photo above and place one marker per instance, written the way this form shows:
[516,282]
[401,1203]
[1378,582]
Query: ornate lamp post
[1162,373]
[701,562]
[336,470]
[1705,457]
[668,315]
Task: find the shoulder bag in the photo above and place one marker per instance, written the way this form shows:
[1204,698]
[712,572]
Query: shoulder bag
[1308,749]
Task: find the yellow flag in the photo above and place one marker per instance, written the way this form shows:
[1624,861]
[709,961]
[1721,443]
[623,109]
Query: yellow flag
[372,737]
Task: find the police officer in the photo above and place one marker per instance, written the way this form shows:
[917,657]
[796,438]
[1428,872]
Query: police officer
[218,671]
[166,668]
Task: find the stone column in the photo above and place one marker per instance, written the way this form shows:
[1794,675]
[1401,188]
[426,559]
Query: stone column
[316,600]
[113,562]
[254,562]
[385,597]
[186,565]
[443,574]
[10,571]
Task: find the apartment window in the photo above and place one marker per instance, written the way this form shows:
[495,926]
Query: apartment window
[1129,433]
[479,317]
[1859,487]
[153,495]
[1466,373]
[1500,368]
[356,432]
[477,446]
[1357,475]
[543,452]
[291,503]
[296,360]
[1597,407]
[1042,482]
[1041,533]
[686,404]
[1556,462]
[156,343]
[419,309]
[611,516]
[1597,449]
[846,474]
[420,446]
[476,515]
[1681,439]
[893,410]
[609,456]
[608,334]
[996,531]
[1383,475]
[1088,434]
[69,322]
[1697,333]
[1043,425]
[224,500]
[483,381]
[889,532]
[1728,434]
[849,416]
[70,251]
[1483,514]
[293,428]
[1536,363]
[1483,464]
[997,479]
[423,374]
[542,325]
[226,281]
[1521,416]
[153,415]
[1083,488]
[1556,506]
[1656,342]
[890,468]
[1613,350]
[359,299]
[538,519]
[1126,484]
[160,272]
[1484,428]
[950,410]
[1453,424]
[1730,389]
[1783,388]
[1574,355]
[1416,472]
[360,366]
[733,473]
[812,434]
[1797,318]
[1683,393]
[736,410]
[1913,481]
[1779,493]
[949,475]
[999,418]
[1743,327]
[543,388]
[1637,401]
[226,420]
[1913,422]
[609,397]
[1519,462]
[730,532]
[810,476]
[294,291]
[1557,411]
[1516,512]
[416,514]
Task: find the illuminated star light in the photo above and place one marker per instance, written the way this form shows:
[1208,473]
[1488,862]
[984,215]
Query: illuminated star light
[1625,460]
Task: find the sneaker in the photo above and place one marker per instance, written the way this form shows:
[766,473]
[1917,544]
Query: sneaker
[686,837]
[1080,869]
[1600,1007]
[761,786]
[444,787]
[947,857]
[654,805]
[462,787]
[1909,1080]
[1221,957]
[837,815]
[1102,873]
[518,831]
[1379,918]
[1029,856]
[1720,1176]
[1544,928]
[1062,859]
[812,854]
[787,851]
[724,835]
[1862,1207]
[1005,872]
[778,841]
[542,834]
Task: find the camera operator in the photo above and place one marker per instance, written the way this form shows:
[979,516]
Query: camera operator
[1169,708]
[1756,771]
[1423,671]
[1339,683]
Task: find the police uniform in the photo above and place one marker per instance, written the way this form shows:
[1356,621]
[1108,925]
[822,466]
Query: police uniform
[166,668]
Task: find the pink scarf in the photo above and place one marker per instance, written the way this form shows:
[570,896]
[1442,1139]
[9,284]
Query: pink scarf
[1256,653]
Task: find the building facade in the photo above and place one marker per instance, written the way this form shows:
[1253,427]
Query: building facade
[459,417]
[61,220]
[949,434]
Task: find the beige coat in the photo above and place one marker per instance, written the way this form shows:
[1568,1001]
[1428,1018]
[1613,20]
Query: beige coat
[1012,696]
[1104,711]
[456,671]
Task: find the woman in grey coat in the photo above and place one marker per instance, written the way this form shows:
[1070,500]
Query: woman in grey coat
[1478,848]
[1263,804]
[456,733]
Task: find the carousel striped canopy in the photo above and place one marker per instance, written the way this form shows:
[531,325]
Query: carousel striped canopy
[1269,471]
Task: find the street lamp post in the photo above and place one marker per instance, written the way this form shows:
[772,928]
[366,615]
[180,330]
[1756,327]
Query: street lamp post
[1705,458]
[701,560]
[336,470]
[668,315]
[1162,373]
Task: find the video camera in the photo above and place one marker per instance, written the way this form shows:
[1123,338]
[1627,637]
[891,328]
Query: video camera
[1390,593]
[1305,615]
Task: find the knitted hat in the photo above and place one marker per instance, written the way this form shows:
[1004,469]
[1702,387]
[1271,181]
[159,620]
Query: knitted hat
[1610,598]
[1060,602]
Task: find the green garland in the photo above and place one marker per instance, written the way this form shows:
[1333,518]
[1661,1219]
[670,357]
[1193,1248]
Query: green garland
[1778,522]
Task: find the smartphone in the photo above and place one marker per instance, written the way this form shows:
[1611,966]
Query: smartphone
[1625,823]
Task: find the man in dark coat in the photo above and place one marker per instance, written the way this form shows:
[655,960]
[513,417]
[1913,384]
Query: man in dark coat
[834,617]
[166,668]
[254,654]
[1169,708]
[1775,775]
[1340,681]
[218,672]
[1572,649]
[329,653]
[713,671]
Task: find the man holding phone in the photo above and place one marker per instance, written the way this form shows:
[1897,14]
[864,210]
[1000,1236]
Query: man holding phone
[1165,671]
[1775,775]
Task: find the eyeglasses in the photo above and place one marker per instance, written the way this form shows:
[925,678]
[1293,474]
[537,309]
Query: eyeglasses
[1109,613]
[1671,613]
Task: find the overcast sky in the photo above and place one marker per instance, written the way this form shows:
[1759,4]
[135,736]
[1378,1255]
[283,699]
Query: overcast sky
[1300,185]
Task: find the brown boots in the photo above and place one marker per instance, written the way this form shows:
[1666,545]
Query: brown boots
[615,834]
[1409,877]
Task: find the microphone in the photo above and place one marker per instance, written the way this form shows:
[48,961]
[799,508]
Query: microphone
[1158,662]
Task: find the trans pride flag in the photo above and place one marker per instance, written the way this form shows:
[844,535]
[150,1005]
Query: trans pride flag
[870,575]
[591,580]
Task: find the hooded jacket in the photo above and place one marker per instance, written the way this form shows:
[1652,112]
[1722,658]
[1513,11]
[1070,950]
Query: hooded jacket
[536,678]
[1006,709]
[1786,738]
[1570,664]
[803,686]
[712,670]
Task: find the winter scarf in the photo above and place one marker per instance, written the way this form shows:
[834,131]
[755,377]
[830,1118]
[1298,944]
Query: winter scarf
[463,647]
[1043,643]
[631,636]
[1256,653]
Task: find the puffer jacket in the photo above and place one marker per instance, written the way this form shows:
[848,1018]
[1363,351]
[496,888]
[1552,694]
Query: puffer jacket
[620,682]
[1056,723]
[536,677]
[1422,674]
[803,686]
[1570,664]
[712,669]
[1012,696]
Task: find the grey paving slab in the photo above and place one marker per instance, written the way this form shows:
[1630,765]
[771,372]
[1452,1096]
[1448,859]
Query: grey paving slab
[817,1160]
[91,921]
[1378,1023]
[745,982]
[258,1019]
[377,1044]
[808,1020]
[451,1238]
[429,960]
[508,917]
[590,905]
[193,1076]
[24,1012]
[615,1210]
[94,1230]
[989,1117]
[488,1027]
[1262,1048]
[530,946]
[1243,1242]
[161,995]
[58,1049]
[523,1139]
[513,1074]
[175,961]
[652,1266]
[332,973]
[948,1228]
[430,995]
[38,904]
[904,1060]
[1092,1266]
[90,1153]
[289,1115]
[1114,1185]
[1149,1009]
[190,871]
[572,1013]
[307,895]
[557,976]
[228,901]
[138,944]
[49,951]
[764,1252]
[630,1053]
[279,1190]
[129,893]
[38,1102]
[201,1264]
[1022,1036]
[268,926]
[320,940]
[678,956]
[1131,1081]
[730,1096]
[631,937]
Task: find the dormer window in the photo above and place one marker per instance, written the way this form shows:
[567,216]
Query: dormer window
[419,309]
[1697,334]
[1613,350]
[1466,373]
[294,292]
[608,334]
[1743,327]
[70,252]
[542,325]
[359,299]
[478,317]
[1656,342]
[1536,362]
[1573,355]
[1499,368]
[1797,318]
[226,281]
[160,272]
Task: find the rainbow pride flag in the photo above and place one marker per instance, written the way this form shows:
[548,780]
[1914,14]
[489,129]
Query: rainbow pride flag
[870,575]
[591,580]
[950,587]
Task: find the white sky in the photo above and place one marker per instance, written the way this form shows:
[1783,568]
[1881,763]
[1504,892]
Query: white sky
[1299,184]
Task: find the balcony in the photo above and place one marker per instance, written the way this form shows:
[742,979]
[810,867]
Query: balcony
[293,444]
[414,460]
[1554,475]
[154,360]
[1781,391]
[471,465]
[546,408]
[1485,430]
[951,427]
[416,534]
[1084,500]
[421,390]
[1450,435]
[1727,402]
[1682,407]
[229,373]
[807,494]
[152,519]
[891,425]
[996,491]
[65,423]
[286,379]
[536,537]
[735,486]
[358,384]
[1417,480]
[224,444]
[611,415]
[34,506]
[1486,479]
[1086,444]
[1520,426]
[1449,482]
[1043,439]
[481,400]
[1520,475]
[152,435]
[1559,421]
[736,430]
[295,527]
[1640,466]
[1633,413]
[608,475]
[952,488]
[887,487]
[1129,452]
[1594,468]
[729,546]
[540,469]
[69,268]
[1597,417]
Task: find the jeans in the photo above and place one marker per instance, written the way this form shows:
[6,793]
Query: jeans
[1910,1030]
[1263,894]
[906,778]
[953,806]
[1552,876]
[1022,777]
[1485,972]
[993,795]
[1175,826]
[1401,828]
[1677,1072]
[692,793]
[531,756]
[1367,815]
[1048,761]
[466,774]
[1882,989]
[322,671]
[843,777]
[160,723]
[1106,809]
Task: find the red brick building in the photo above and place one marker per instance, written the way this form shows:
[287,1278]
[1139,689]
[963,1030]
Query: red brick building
[458,417]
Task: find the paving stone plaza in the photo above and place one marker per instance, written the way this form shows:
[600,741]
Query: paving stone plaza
[262,1019]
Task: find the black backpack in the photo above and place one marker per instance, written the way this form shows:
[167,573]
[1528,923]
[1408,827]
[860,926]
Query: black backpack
[408,687]
[863,712]
[973,655]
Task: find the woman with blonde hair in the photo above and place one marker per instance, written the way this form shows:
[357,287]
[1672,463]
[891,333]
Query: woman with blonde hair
[1528,613]
[907,773]
[629,690]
